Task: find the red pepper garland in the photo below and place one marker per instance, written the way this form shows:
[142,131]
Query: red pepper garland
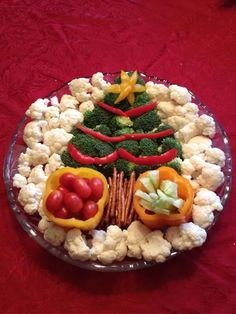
[122,153]
[133,136]
[135,112]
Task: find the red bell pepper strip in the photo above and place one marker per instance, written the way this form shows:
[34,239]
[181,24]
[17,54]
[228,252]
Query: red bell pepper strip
[132,136]
[99,135]
[112,109]
[148,160]
[87,160]
[135,112]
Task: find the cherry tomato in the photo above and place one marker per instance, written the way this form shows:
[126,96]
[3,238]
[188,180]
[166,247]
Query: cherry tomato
[62,189]
[62,213]
[81,187]
[97,187]
[66,180]
[73,202]
[90,209]
[54,201]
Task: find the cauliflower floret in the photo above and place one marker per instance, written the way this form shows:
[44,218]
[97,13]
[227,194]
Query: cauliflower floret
[69,118]
[82,96]
[39,154]
[186,236]
[37,109]
[98,81]
[189,131]
[201,140]
[86,106]
[136,235]
[68,102]
[52,117]
[202,215]
[177,122]
[80,85]
[97,243]
[54,163]
[29,197]
[33,132]
[156,247]
[44,224]
[54,101]
[187,168]
[57,139]
[24,169]
[215,156]
[97,94]
[114,246]
[158,92]
[19,181]
[54,234]
[211,177]
[76,245]
[192,149]
[37,175]
[206,125]
[205,197]
[166,109]
[180,94]
[190,109]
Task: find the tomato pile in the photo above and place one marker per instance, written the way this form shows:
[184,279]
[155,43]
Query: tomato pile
[75,197]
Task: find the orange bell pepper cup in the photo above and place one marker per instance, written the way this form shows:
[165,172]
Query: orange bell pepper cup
[185,191]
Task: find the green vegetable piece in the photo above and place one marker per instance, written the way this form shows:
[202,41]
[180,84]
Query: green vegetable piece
[97,116]
[147,183]
[179,203]
[147,122]
[164,201]
[148,147]
[142,99]
[123,131]
[104,129]
[175,164]
[144,196]
[170,188]
[154,177]
[168,143]
[130,145]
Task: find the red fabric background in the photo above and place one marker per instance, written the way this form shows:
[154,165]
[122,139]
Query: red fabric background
[44,43]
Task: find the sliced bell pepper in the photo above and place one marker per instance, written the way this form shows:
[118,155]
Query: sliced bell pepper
[88,160]
[135,112]
[53,183]
[148,160]
[131,136]
[185,191]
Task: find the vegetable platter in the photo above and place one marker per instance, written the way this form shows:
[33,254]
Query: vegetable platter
[118,171]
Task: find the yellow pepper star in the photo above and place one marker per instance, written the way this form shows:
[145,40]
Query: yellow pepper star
[127,87]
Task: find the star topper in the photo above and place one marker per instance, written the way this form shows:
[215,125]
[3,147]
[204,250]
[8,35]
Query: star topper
[127,87]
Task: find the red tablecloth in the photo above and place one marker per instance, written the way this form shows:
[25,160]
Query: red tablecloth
[44,43]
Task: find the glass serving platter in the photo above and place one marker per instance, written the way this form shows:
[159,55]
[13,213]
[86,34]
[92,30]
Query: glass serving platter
[30,223]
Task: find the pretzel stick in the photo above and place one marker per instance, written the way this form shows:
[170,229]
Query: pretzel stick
[131,213]
[120,198]
[125,187]
[113,201]
[114,220]
[129,196]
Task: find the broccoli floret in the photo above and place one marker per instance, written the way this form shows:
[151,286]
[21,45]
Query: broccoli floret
[148,121]
[175,164]
[107,169]
[124,131]
[139,80]
[68,161]
[130,145]
[75,131]
[119,122]
[142,99]
[126,166]
[164,127]
[91,146]
[110,100]
[97,116]
[148,147]
[168,143]
[104,129]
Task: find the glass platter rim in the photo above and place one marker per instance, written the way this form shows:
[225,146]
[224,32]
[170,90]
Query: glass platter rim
[126,265]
